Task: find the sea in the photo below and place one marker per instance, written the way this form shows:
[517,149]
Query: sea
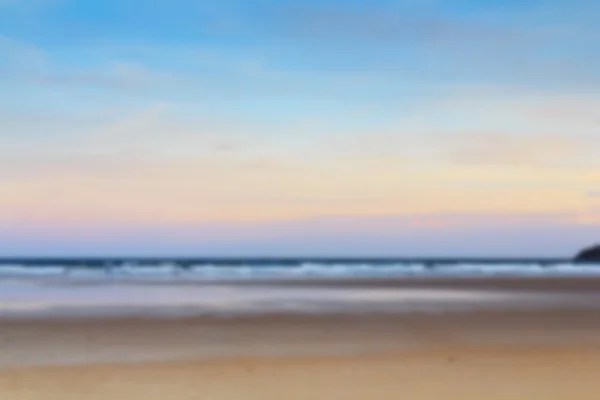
[172,287]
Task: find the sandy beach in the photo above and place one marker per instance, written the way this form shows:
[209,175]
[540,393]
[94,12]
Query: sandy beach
[549,373]
[514,353]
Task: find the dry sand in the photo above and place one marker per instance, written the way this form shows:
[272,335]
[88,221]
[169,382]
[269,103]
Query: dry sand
[548,373]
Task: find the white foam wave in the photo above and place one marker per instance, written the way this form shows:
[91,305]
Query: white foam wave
[223,299]
[16,270]
[172,271]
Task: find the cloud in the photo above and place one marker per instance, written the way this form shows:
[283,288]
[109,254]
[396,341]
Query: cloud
[417,43]
[517,150]
[487,127]
[357,24]
[108,140]
[25,13]
[31,64]
[115,75]
[513,127]
[594,194]
[196,73]
[18,3]
[18,56]
[525,129]
[23,3]
[158,132]
[123,72]
[486,44]
[426,235]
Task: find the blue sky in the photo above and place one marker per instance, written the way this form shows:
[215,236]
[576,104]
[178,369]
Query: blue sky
[124,117]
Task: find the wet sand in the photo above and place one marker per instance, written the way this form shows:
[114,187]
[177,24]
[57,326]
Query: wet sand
[550,353]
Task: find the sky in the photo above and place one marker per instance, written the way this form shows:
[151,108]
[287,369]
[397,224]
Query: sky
[315,127]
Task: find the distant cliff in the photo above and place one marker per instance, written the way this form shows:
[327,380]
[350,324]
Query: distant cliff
[591,254]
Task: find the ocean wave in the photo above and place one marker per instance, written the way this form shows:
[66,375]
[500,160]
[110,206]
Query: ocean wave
[305,270]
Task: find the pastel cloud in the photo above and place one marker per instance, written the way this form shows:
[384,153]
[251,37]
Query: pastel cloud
[395,23]
[490,126]
[312,116]
[523,42]
[442,235]
[167,165]
[518,150]
[136,136]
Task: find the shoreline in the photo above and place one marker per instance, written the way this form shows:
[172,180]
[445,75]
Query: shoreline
[81,341]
